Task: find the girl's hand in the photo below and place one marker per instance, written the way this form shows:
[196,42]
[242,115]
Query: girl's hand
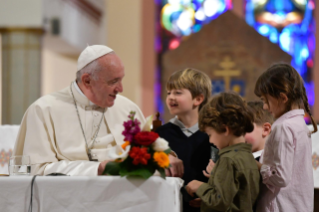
[192,187]
[195,202]
[209,168]
[259,165]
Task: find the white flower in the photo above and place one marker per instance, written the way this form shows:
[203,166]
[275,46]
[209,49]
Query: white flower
[148,124]
[117,152]
[160,144]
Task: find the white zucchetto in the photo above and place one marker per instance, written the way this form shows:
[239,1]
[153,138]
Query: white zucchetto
[91,53]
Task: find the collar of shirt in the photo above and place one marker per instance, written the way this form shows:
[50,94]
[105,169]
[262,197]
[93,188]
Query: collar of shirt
[236,147]
[258,153]
[289,114]
[180,124]
[80,97]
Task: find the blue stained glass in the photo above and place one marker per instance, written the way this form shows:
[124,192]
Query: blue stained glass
[279,5]
[197,27]
[264,30]
[187,32]
[292,28]
[310,87]
[250,18]
[285,39]
[304,52]
[274,6]
[273,37]
[199,11]
[181,18]
[218,86]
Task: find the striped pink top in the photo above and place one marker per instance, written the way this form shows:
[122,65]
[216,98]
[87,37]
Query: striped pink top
[287,166]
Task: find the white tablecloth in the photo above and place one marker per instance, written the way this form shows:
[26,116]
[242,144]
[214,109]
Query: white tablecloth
[8,136]
[90,194]
[315,156]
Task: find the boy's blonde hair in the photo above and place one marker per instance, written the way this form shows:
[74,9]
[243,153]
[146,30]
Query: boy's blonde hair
[261,116]
[193,80]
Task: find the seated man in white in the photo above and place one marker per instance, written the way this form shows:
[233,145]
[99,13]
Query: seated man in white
[68,131]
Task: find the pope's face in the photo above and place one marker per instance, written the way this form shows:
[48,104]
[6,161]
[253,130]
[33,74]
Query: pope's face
[109,82]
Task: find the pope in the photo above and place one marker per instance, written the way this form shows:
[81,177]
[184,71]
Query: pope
[71,131]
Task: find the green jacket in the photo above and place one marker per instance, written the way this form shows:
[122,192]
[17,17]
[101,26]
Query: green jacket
[234,182]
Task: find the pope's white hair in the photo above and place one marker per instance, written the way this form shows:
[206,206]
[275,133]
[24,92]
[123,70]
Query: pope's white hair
[92,69]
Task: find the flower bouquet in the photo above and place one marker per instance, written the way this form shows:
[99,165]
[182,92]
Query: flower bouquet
[142,154]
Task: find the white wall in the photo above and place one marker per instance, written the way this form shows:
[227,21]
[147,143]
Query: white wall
[123,33]
[60,53]
[76,28]
[0,80]
[21,13]
[58,71]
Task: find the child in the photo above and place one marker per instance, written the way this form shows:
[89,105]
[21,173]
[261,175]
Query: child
[257,138]
[286,165]
[262,127]
[234,181]
[187,91]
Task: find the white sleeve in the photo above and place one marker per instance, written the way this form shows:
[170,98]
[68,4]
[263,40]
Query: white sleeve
[36,138]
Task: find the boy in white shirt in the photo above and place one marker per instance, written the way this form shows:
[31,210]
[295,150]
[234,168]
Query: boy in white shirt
[262,127]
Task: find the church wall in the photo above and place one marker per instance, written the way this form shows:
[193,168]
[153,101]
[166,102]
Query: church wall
[148,57]
[130,32]
[57,71]
[21,32]
[73,25]
[238,8]
[0,80]
[123,35]
[17,13]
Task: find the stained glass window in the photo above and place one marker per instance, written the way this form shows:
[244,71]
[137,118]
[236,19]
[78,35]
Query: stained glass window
[178,19]
[291,25]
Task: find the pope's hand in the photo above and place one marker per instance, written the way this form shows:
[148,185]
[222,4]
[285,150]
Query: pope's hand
[209,168]
[176,169]
[102,167]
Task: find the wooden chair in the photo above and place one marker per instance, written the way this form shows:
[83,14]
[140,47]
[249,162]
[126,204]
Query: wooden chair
[156,123]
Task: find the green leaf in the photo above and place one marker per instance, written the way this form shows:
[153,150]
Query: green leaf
[168,151]
[112,168]
[142,172]
[162,172]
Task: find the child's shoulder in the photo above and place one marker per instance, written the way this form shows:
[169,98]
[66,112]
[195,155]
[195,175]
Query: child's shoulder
[166,126]
[168,129]
[290,121]
[239,159]
[289,126]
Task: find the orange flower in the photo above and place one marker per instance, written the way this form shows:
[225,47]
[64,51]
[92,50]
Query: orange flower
[162,159]
[125,144]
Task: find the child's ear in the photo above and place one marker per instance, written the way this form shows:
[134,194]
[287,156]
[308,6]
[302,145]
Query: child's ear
[198,100]
[283,98]
[227,131]
[266,129]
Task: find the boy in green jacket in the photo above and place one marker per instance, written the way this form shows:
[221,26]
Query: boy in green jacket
[234,182]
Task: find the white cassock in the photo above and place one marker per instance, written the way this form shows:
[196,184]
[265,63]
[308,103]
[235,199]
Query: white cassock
[51,134]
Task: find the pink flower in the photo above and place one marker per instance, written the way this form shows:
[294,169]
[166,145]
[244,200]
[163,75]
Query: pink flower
[131,128]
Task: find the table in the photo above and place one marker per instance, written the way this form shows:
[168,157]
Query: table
[90,194]
[315,156]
